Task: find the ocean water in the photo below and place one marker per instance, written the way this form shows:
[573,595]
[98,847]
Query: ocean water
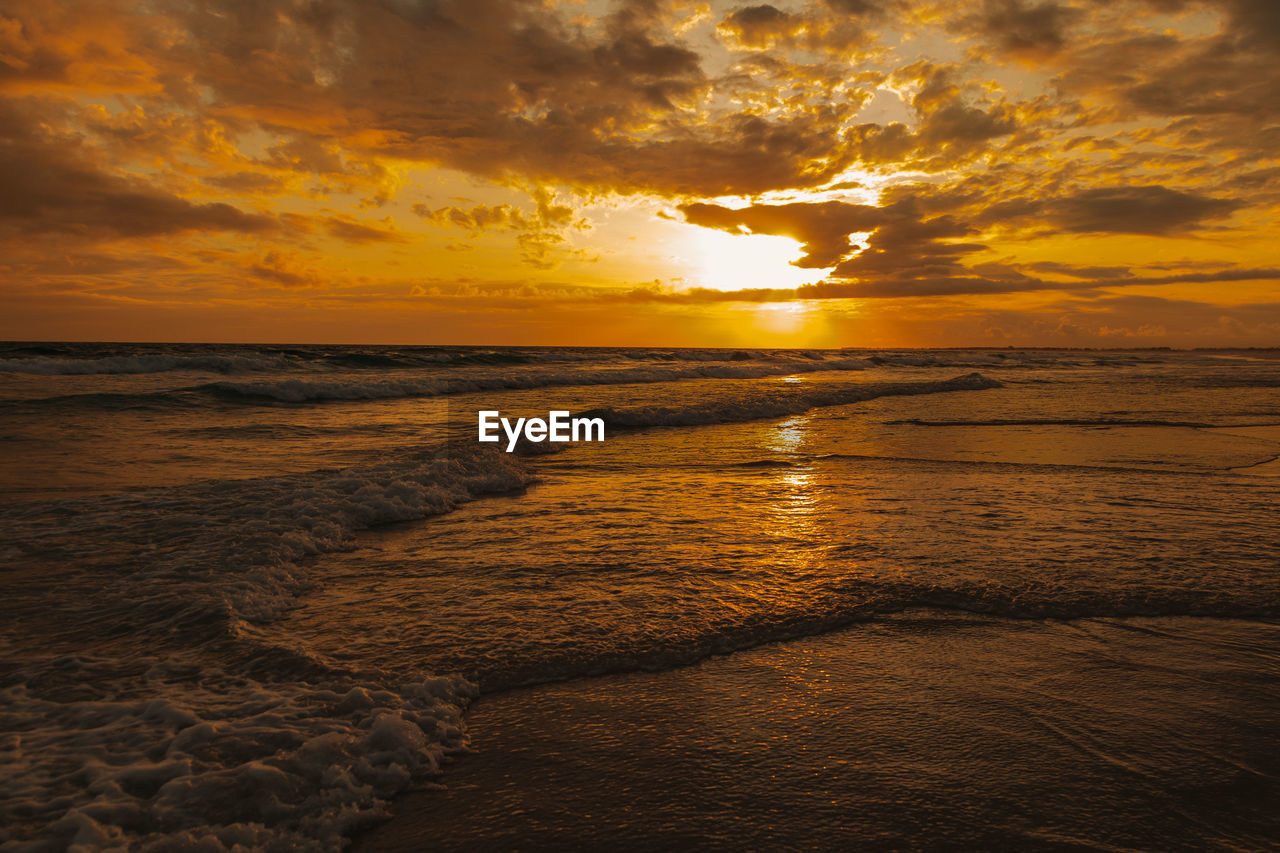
[249,592]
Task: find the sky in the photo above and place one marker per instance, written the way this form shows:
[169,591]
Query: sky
[833,173]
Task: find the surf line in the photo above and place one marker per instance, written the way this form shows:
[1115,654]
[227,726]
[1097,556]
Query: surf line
[558,427]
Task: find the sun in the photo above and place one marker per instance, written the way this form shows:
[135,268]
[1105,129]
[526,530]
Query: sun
[746,261]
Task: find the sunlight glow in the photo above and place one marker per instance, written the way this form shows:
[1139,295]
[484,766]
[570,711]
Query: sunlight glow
[781,318]
[743,261]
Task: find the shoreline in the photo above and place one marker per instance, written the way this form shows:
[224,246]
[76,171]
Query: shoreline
[900,734]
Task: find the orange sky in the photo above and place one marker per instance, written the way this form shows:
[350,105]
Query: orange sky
[825,173]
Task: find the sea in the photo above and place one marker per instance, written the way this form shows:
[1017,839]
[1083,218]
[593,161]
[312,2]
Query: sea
[265,597]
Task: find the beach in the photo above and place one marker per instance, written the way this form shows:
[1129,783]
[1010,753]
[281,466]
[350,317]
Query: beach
[283,598]
[918,732]
[509,425]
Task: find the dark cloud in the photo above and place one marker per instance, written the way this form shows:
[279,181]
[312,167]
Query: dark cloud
[1017,201]
[910,248]
[1000,280]
[498,88]
[1221,85]
[508,89]
[918,245]
[955,122]
[1079,272]
[813,28]
[247,182]
[125,120]
[903,244]
[1135,210]
[285,270]
[49,190]
[822,228]
[357,232]
[1021,29]
[761,26]
[1255,23]
[868,9]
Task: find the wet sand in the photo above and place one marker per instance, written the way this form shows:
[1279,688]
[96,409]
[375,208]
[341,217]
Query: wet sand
[925,731]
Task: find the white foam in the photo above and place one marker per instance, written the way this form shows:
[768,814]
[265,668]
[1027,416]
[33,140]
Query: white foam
[781,402]
[201,766]
[366,388]
[194,757]
[241,540]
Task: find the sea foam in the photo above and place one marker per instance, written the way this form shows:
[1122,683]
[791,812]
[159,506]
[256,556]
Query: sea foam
[758,405]
[161,746]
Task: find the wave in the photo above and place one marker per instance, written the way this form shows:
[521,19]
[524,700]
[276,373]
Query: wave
[844,603]
[197,766]
[154,363]
[941,359]
[209,556]
[346,388]
[1012,358]
[307,390]
[239,558]
[1100,422]
[86,359]
[765,463]
[778,403]
[166,747]
[1116,466]
[428,358]
[1241,382]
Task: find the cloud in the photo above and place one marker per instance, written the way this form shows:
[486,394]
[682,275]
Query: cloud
[904,242]
[1031,31]
[286,270]
[914,250]
[1077,272]
[1034,204]
[541,233]
[1022,146]
[866,9]
[357,232]
[1255,23]
[764,27]
[822,228]
[248,182]
[957,122]
[1136,210]
[490,87]
[477,218]
[48,189]
[761,26]
[971,283]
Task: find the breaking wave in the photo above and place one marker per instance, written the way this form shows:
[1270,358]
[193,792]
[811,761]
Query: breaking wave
[778,403]
[86,359]
[308,390]
[837,607]
[219,762]
[349,388]
[230,363]
[163,747]
[1098,422]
